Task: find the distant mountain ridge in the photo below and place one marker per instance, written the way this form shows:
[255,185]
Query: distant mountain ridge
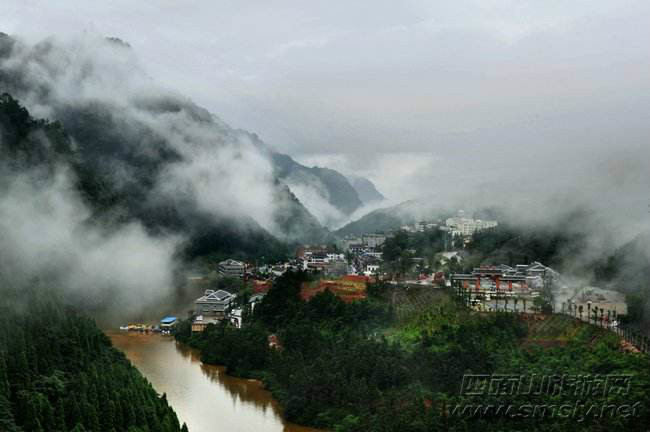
[148,154]
[331,185]
[383,219]
[366,190]
[138,143]
[33,145]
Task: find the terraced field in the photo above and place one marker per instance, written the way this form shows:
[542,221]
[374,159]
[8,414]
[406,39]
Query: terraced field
[555,327]
[411,301]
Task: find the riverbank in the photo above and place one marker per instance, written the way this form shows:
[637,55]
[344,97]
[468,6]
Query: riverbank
[203,396]
[397,360]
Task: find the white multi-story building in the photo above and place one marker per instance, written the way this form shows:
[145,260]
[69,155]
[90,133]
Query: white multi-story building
[335,257]
[463,226]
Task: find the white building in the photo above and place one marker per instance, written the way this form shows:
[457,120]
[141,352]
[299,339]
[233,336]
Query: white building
[335,257]
[463,226]
[371,269]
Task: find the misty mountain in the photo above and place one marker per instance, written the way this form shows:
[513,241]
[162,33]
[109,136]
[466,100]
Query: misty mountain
[390,218]
[326,191]
[41,149]
[366,189]
[147,154]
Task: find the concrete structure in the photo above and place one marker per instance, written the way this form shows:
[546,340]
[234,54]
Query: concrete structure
[235,317]
[200,322]
[168,322]
[373,240]
[336,268]
[231,267]
[371,269]
[308,250]
[463,226]
[605,302]
[214,303]
[348,241]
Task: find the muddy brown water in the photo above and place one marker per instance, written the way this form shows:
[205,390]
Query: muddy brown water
[203,396]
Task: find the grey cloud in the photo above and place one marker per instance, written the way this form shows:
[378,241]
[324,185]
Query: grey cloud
[456,101]
[46,236]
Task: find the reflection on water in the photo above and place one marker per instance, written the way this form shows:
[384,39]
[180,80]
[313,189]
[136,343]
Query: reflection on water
[203,396]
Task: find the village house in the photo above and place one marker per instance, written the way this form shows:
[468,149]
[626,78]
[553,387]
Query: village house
[373,240]
[307,250]
[211,308]
[235,316]
[231,267]
[214,303]
[336,268]
[371,269]
[199,323]
[350,241]
[167,323]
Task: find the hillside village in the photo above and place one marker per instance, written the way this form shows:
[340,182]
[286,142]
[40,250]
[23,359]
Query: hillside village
[233,288]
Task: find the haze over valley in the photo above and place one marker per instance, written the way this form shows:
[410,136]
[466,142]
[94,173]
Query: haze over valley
[323,217]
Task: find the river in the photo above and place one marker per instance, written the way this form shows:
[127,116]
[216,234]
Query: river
[203,396]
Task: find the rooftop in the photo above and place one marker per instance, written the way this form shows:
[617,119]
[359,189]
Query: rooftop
[231,262]
[212,295]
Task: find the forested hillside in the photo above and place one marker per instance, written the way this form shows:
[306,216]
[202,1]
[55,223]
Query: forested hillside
[391,218]
[335,188]
[59,372]
[155,157]
[376,365]
[366,190]
[27,143]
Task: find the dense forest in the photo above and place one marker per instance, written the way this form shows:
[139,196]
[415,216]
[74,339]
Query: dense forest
[357,367]
[59,372]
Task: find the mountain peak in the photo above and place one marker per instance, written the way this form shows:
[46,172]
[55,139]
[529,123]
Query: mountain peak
[366,190]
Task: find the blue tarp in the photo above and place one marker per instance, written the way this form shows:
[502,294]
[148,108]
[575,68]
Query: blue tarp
[168,320]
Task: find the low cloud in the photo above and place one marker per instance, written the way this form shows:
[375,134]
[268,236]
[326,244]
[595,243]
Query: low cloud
[101,93]
[49,239]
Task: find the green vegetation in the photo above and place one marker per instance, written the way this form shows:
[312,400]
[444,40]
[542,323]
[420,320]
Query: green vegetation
[59,372]
[396,361]
[400,249]
[375,221]
[510,245]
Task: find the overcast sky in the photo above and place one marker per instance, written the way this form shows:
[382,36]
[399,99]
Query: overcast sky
[406,93]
